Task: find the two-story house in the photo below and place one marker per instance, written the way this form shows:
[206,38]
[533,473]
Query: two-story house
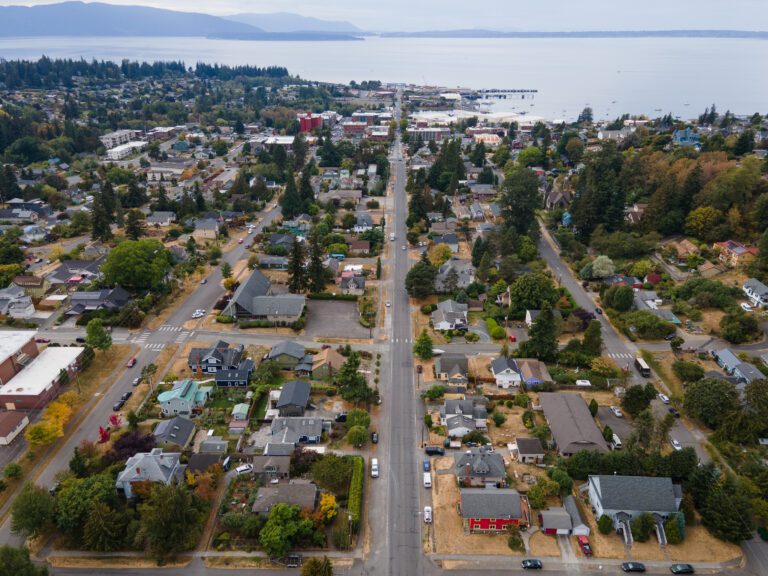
[154,466]
[183,398]
[218,357]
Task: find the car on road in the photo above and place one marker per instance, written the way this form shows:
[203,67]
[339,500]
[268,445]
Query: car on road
[427,514]
[117,406]
[681,569]
[675,412]
[126,395]
[374,467]
[80,340]
[531,564]
[676,444]
[240,241]
[405,247]
[42,340]
[670,336]
[632,567]
[598,311]
[38,260]
[374,437]
[435,450]
[426,465]
[617,412]
[204,281]
[131,363]
[136,381]
[664,398]
[583,541]
[388,304]
[746,307]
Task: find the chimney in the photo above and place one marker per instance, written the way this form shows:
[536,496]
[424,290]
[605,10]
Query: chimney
[138,470]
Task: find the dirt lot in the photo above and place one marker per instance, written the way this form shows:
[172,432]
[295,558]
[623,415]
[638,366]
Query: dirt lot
[511,429]
[449,532]
[700,546]
[542,544]
[710,321]
[480,369]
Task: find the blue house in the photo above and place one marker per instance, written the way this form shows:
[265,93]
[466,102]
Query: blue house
[686,137]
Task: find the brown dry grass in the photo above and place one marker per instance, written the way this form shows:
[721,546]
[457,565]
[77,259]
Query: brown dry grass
[113,562]
[700,546]
[449,532]
[479,366]
[509,430]
[541,544]
[603,545]
[710,321]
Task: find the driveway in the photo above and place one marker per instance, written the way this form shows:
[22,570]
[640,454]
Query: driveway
[334,319]
[680,432]
[620,426]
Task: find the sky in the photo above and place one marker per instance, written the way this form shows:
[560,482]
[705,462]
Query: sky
[523,15]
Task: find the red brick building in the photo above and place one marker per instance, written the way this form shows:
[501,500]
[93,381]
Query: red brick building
[17,349]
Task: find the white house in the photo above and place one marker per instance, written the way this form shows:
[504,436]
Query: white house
[506,372]
[756,291]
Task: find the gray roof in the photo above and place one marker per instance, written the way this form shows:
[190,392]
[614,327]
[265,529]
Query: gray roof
[201,462]
[287,347]
[529,446]
[490,503]
[502,363]
[557,518]
[452,306]
[452,364]
[206,224]
[242,372]
[289,430]
[255,285]
[303,495]
[466,407]
[727,359]
[757,287]
[154,466]
[294,393]
[278,449]
[750,372]
[635,493]
[569,503]
[277,464]
[358,282]
[282,305]
[221,351]
[573,427]
[455,421]
[175,431]
[482,464]
[214,445]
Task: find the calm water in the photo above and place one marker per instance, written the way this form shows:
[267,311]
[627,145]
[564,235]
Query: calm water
[681,76]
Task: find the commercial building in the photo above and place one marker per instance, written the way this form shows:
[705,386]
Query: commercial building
[309,122]
[114,139]
[11,425]
[17,349]
[125,150]
[39,382]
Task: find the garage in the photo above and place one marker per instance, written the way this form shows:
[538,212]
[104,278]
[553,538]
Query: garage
[555,521]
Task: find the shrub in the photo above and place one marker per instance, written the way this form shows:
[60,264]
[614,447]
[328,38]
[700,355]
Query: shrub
[498,333]
[528,419]
[329,296]
[514,540]
[522,400]
[642,527]
[12,470]
[604,524]
[428,309]
[688,371]
[223,319]
[428,421]
[340,535]
[355,501]
[499,418]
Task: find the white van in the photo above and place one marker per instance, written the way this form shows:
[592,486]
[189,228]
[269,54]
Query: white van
[616,442]
[427,480]
[244,469]
[374,467]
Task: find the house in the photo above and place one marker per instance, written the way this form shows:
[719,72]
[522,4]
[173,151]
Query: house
[325,363]
[451,239]
[154,466]
[683,248]
[623,498]
[237,377]
[686,137]
[555,521]
[177,431]
[281,241]
[214,445]
[529,450]
[218,357]
[273,262]
[240,412]
[254,299]
[506,372]
[476,212]
[205,229]
[579,526]
[471,408]
[479,467]
[40,380]
[33,286]
[533,372]
[161,219]
[11,425]
[353,285]
[71,272]
[452,369]
[296,430]
[364,223]
[286,354]
[105,299]
[294,398]
[621,280]
[267,468]
[745,372]
[459,425]
[14,302]
[278,449]
[634,214]
[530,317]
[33,233]
[359,246]
[491,511]
[201,463]
[573,428]
[295,493]
[453,275]
[17,350]
[734,253]
[185,397]
[450,315]
[756,291]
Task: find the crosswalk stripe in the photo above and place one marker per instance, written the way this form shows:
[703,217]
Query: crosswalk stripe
[168,328]
[155,346]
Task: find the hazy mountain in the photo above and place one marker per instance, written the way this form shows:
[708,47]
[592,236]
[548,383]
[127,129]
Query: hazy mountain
[289,22]
[96,19]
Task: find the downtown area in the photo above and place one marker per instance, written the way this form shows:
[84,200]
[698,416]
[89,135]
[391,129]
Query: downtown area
[251,323]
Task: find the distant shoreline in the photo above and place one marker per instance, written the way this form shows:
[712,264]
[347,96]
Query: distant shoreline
[758,35]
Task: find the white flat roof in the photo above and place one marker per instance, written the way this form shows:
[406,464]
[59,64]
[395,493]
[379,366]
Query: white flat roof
[12,340]
[43,370]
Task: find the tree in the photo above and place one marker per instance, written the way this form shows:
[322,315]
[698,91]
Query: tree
[96,336]
[727,511]
[673,530]
[291,203]
[520,199]
[602,267]
[498,419]
[317,566]
[637,398]
[378,268]
[592,343]
[16,562]
[103,530]
[358,417]
[605,524]
[77,497]
[608,433]
[738,327]
[297,270]
[316,271]
[439,254]
[333,473]
[620,298]
[357,436]
[137,264]
[593,407]
[282,528]
[531,291]
[688,371]
[226,270]
[711,401]
[135,226]
[514,539]
[100,220]
[32,511]
[542,336]
[642,527]
[169,521]
[423,345]
[420,280]
[12,470]
[531,156]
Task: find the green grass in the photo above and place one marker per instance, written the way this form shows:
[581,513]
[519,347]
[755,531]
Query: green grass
[261,406]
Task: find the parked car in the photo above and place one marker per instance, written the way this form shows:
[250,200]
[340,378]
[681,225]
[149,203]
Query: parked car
[531,564]
[675,412]
[42,340]
[427,514]
[746,307]
[676,445]
[617,412]
[388,304]
[204,281]
[126,395]
[117,406]
[426,465]
[131,363]
[681,569]
[80,340]
[341,417]
[240,241]
[632,567]
[664,398]
[583,541]
[598,311]
[435,450]
[294,560]
[374,437]
[136,381]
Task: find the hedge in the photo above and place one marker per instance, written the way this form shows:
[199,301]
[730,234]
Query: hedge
[222,319]
[298,325]
[329,296]
[355,500]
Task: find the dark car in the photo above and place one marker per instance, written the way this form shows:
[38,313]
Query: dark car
[341,417]
[80,340]
[126,395]
[681,569]
[118,406]
[42,340]
[426,465]
[633,567]
[375,437]
[675,412]
[669,337]
[531,564]
[598,311]
[434,450]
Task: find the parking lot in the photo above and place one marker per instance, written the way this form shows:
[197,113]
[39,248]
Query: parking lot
[620,426]
[334,319]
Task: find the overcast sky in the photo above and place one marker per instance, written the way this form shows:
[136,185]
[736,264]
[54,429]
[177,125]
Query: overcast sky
[538,15]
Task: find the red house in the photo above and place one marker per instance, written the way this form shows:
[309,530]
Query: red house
[491,510]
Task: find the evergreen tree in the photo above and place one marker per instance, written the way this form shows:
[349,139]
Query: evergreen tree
[199,198]
[485,267]
[109,200]
[291,202]
[300,149]
[100,220]
[451,280]
[96,336]
[478,249]
[134,224]
[297,271]
[162,204]
[305,189]
[316,270]
[423,346]
[186,206]
[135,196]
[542,342]
[378,268]
[592,343]
[103,531]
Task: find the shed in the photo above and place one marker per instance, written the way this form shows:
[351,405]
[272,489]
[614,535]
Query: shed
[555,521]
